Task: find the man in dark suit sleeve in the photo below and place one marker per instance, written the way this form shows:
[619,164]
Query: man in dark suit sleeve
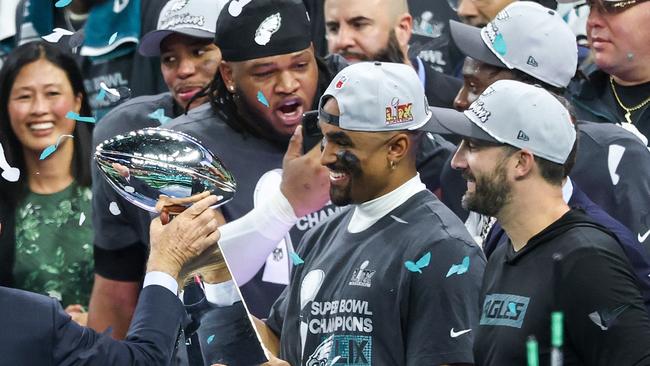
[36,330]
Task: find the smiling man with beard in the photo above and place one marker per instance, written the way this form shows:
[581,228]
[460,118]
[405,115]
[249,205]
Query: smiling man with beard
[519,145]
[393,278]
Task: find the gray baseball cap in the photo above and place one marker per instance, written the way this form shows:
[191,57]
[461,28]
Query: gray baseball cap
[513,113]
[376,97]
[525,36]
[195,18]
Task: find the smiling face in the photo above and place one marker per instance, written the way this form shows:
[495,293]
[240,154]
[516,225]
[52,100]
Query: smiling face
[188,64]
[484,166]
[40,98]
[614,36]
[358,161]
[287,83]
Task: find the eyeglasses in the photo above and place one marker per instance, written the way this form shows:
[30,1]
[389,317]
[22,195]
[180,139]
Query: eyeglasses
[612,7]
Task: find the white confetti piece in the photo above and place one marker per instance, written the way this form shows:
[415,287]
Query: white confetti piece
[398,219]
[56,35]
[9,173]
[82,218]
[114,209]
[129,189]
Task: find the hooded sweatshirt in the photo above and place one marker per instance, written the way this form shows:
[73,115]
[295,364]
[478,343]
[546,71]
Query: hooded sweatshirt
[574,266]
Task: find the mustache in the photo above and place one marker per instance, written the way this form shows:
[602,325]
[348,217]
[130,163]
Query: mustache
[346,162]
[348,55]
[467,176]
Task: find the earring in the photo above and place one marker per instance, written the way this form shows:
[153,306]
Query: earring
[231,88]
[393,165]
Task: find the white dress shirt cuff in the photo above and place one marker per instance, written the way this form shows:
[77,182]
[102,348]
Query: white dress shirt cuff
[161,279]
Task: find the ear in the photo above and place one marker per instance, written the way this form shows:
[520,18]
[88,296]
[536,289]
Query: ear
[524,162]
[403,29]
[226,71]
[78,102]
[399,147]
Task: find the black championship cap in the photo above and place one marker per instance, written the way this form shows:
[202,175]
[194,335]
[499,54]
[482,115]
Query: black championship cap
[250,29]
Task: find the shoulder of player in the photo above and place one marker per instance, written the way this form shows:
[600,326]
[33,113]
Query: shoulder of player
[130,115]
[203,114]
[606,134]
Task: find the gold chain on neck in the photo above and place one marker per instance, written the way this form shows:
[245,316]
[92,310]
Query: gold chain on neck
[628,110]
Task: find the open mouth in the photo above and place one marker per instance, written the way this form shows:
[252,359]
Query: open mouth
[290,111]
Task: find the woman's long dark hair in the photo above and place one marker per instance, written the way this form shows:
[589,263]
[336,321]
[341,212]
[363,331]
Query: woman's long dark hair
[11,193]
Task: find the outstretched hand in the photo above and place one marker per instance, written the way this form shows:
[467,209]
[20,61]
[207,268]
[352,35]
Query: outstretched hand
[305,182]
[184,238]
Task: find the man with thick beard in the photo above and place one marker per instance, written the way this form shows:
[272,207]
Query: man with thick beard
[380,30]
[518,146]
[393,278]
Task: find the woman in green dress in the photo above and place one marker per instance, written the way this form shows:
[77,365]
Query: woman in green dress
[45,197]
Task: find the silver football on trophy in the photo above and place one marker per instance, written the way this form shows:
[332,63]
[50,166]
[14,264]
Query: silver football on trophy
[145,165]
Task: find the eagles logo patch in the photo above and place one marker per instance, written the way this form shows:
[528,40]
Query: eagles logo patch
[267,28]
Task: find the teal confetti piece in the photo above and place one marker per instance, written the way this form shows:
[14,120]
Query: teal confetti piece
[159,114]
[112,39]
[459,269]
[210,339]
[62,3]
[47,152]
[101,95]
[499,45]
[52,148]
[512,308]
[295,259]
[77,117]
[421,263]
[262,99]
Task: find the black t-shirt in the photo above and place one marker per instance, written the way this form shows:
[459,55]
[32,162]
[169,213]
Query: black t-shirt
[354,299]
[605,322]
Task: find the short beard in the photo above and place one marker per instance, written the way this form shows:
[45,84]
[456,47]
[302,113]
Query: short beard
[348,163]
[491,193]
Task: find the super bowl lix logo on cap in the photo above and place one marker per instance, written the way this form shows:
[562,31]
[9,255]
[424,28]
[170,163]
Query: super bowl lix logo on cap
[399,113]
[267,28]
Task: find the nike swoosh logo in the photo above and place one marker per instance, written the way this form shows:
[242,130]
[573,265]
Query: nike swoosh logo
[453,334]
[642,238]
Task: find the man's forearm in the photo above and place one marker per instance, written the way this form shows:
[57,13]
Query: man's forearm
[112,304]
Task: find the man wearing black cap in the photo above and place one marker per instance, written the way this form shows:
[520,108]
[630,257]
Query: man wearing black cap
[393,278]
[188,62]
[519,144]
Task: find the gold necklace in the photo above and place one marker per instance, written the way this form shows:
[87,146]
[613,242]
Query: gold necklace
[628,111]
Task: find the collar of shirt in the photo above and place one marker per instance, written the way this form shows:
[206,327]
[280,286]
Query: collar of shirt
[367,213]
[567,190]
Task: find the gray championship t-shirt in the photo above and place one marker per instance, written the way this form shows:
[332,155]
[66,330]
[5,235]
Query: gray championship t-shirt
[402,292]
